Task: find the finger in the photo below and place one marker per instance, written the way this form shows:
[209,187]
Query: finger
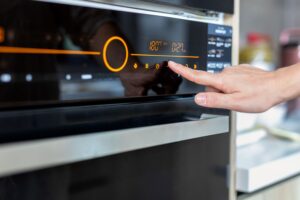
[196,76]
[215,100]
[211,89]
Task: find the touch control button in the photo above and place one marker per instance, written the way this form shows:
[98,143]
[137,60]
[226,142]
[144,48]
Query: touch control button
[106,45]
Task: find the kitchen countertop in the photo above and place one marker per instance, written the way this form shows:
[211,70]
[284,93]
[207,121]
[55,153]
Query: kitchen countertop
[264,160]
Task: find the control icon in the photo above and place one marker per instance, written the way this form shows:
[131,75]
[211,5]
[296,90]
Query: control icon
[157,66]
[135,66]
[105,54]
[147,66]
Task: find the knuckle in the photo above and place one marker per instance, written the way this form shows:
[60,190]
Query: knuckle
[220,81]
[194,77]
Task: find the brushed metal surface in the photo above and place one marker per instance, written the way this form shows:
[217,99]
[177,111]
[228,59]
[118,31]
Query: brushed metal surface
[25,156]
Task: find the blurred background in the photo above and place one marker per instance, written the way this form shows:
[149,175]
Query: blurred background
[270,38]
[270,142]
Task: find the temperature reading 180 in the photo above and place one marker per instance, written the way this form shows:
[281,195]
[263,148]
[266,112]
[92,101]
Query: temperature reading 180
[155,45]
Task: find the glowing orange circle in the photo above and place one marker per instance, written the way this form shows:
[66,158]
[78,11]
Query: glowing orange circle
[107,64]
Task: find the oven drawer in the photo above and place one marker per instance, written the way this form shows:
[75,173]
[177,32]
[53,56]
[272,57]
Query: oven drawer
[23,156]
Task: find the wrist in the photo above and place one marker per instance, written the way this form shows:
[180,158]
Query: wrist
[286,83]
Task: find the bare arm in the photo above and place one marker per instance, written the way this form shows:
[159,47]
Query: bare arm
[244,88]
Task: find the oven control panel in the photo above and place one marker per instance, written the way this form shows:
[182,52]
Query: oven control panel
[53,53]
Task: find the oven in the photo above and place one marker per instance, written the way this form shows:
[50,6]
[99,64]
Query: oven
[89,108]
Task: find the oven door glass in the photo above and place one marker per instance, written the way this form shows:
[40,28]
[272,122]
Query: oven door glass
[58,54]
[188,170]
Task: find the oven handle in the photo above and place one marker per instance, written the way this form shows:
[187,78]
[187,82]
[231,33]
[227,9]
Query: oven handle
[32,155]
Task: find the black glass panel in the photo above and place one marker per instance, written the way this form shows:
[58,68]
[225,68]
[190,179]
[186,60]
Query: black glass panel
[63,121]
[189,170]
[53,53]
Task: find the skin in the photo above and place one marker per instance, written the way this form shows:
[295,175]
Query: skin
[243,88]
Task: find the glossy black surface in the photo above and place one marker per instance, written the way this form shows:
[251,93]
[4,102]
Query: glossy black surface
[226,6]
[189,170]
[32,124]
[63,121]
[40,62]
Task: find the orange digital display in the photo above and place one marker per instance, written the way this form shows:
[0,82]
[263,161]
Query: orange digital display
[170,46]
[155,48]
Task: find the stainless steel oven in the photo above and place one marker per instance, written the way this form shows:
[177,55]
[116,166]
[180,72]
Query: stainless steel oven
[89,108]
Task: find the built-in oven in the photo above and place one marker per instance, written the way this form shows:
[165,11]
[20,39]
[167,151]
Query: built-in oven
[89,108]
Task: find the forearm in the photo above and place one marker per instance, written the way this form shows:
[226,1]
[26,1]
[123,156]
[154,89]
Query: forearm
[287,83]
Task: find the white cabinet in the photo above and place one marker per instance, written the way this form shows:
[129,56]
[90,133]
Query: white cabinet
[287,190]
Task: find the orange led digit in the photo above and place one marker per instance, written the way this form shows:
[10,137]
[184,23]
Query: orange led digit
[155,45]
[107,64]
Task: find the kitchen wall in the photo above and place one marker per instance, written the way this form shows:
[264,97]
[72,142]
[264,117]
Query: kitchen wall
[291,13]
[266,16]
[269,16]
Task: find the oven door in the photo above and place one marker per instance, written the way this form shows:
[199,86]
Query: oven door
[184,161]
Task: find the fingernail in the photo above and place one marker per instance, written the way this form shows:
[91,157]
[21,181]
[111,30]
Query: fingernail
[201,99]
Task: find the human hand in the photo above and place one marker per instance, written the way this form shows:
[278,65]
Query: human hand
[241,88]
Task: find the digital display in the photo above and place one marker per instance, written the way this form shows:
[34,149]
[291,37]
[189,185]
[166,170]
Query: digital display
[59,54]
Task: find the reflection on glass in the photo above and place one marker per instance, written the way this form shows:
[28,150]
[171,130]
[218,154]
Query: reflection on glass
[57,53]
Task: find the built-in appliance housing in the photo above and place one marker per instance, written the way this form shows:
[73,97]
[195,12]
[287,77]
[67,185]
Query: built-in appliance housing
[89,108]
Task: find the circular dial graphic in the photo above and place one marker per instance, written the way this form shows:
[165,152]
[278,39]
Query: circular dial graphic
[105,56]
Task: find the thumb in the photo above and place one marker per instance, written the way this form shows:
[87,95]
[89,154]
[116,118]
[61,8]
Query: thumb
[214,100]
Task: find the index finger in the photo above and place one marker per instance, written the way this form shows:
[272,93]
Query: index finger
[196,76]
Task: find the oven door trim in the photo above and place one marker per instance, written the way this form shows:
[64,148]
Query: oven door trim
[155,9]
[21,157]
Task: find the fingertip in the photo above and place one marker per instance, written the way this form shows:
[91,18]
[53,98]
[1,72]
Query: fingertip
[175,67]
[172,63]
[210,99]
[196,76]
[216,100]
[201,99]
